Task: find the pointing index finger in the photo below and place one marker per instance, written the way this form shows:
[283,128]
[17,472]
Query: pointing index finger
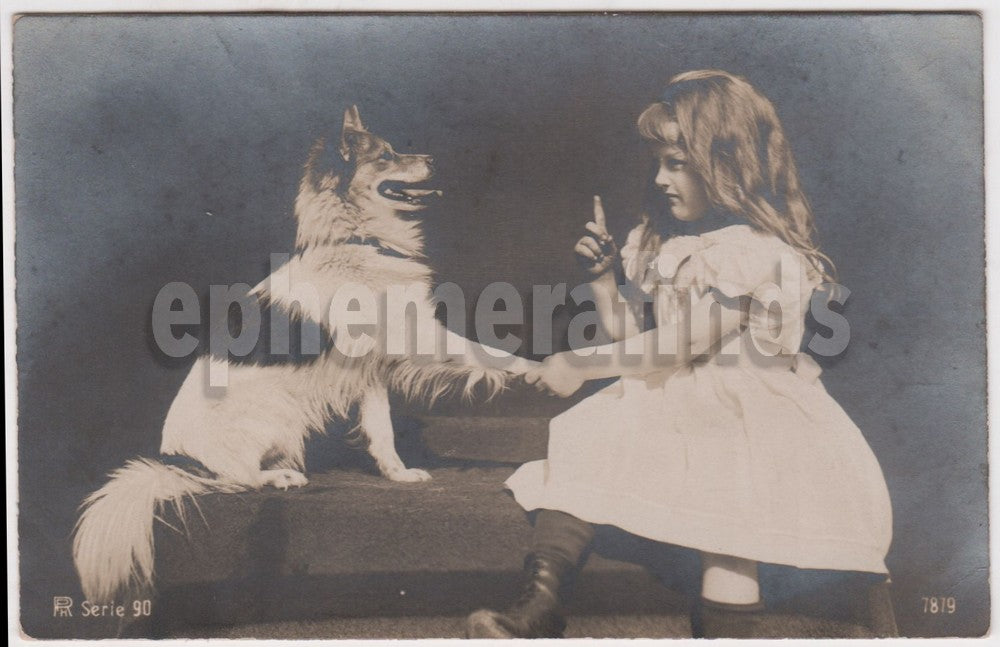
[599,213]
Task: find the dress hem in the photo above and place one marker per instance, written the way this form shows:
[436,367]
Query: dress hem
[684,528]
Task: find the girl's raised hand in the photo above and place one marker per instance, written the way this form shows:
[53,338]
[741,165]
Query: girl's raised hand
[596,251]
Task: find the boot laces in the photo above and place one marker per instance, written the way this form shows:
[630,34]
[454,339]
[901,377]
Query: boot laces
[536,586]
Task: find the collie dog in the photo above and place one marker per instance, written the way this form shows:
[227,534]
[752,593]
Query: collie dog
[356,233]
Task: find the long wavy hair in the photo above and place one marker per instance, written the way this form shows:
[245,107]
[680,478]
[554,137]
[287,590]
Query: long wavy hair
[735,142]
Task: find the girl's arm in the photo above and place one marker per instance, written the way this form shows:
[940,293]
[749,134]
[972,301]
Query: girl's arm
[667,346]
[616,318]
[599,256]
[657,349]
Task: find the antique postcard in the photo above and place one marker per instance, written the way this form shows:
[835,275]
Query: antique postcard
[641,324]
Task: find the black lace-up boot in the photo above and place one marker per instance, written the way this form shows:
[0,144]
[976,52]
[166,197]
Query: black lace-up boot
[721,620]
[872,617]
[537,613]
[559,544]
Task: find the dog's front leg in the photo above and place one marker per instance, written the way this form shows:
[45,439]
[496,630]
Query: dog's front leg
[376,425]
[471,353]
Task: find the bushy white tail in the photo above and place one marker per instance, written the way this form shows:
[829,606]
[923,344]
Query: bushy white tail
[113,540]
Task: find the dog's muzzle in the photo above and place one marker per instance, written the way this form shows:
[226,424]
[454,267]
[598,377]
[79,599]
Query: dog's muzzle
[406,192]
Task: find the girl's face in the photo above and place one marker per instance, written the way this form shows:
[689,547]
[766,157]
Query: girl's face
[682,186]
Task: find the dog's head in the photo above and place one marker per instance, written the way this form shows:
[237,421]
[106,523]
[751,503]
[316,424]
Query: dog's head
[367,173]
[362,187]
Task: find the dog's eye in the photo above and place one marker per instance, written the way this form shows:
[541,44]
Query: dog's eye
[385,156]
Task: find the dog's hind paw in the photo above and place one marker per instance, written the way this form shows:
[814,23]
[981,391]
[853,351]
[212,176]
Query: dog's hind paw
[408,475]
[284,479]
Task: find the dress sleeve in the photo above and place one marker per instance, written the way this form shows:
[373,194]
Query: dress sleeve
[632,258]
[635,263]
[764,268]
[746,263]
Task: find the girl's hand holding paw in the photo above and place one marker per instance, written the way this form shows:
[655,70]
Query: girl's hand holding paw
[520,366]
[556,375]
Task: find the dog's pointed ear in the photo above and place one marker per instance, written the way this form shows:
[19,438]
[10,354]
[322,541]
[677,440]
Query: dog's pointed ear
[352,119]
[349,134]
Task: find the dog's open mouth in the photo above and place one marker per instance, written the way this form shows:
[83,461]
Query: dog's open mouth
[405,192]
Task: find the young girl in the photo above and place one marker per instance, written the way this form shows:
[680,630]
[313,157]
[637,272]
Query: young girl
[719,436]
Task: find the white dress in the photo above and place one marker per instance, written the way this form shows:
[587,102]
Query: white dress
[745,454]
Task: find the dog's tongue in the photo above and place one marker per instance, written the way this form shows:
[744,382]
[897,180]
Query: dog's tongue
[420,193]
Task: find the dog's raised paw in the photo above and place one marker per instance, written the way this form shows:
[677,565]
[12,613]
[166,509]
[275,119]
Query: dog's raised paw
[284,479]
[409,475]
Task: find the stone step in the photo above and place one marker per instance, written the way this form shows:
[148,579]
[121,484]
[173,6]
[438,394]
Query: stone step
[353,544]
[352,551]
[508,439]
[433,441]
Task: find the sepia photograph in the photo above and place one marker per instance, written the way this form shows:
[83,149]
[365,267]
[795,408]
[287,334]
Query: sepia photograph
[442,324]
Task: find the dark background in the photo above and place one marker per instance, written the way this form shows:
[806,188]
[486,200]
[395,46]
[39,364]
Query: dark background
[152,149]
